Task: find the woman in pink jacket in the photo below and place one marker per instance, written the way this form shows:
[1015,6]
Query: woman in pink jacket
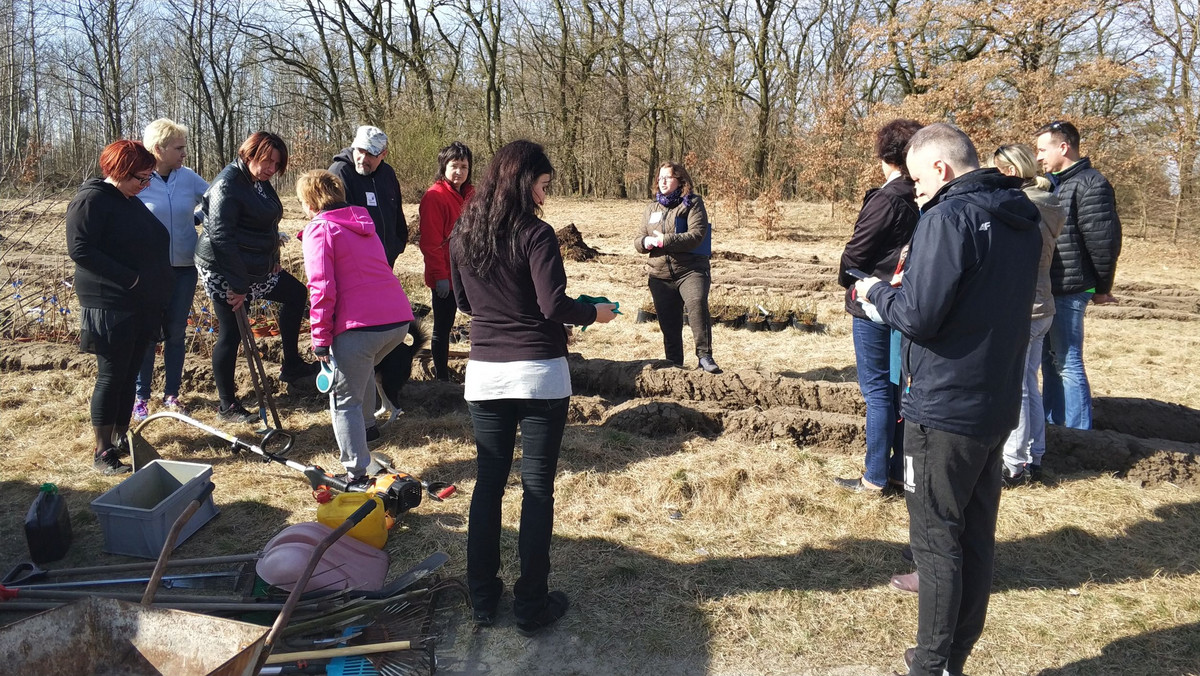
[359,312]
[440,207]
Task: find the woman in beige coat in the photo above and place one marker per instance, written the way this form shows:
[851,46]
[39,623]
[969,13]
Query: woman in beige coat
[1027,444]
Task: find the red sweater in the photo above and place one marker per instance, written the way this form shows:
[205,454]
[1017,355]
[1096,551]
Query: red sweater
[440,208]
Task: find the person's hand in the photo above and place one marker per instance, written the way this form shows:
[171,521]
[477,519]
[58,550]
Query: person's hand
[604,313]
[323,358]
[1104,299]
[284,237]
[862,286]
[236,300]
[897,278]
[654,240]
[442,288]
[872,311]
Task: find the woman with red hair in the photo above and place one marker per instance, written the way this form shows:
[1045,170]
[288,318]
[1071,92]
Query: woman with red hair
[123,280]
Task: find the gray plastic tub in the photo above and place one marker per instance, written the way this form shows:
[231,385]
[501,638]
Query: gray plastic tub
[136,515]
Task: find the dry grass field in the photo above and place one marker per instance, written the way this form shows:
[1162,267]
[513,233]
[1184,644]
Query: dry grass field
[698,530]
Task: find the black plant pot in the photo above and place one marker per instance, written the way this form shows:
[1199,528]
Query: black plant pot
[756,324]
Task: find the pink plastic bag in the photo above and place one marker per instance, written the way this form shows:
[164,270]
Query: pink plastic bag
[347,565]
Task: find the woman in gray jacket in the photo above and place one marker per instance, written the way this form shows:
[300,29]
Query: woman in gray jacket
[677,236]
[1027,444]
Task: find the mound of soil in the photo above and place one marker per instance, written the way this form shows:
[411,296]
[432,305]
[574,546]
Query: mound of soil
[571,243]
[662,418]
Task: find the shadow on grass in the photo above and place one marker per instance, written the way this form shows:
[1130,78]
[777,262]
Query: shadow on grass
[1166,652]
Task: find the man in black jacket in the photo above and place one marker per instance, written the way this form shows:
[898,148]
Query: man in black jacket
[371,183]
[963,310]
[1085,261]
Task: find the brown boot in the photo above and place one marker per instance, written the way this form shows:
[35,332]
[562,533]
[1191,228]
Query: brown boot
[906,583]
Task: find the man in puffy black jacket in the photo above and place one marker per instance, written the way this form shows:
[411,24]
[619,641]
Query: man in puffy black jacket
[1085,261]
[963,310]
[371,183]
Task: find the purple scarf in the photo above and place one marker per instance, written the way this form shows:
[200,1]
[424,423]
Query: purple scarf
[672,199]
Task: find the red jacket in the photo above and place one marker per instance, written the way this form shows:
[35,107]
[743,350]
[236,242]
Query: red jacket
[440,208]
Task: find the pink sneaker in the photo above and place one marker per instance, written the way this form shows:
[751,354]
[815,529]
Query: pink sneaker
[174,405]
[141,409]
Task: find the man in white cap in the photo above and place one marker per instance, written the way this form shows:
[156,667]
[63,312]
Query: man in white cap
[371,183]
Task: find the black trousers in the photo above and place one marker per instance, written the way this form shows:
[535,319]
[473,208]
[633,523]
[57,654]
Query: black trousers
[444,310]
[117,367]
[541,422]
[689,289]
[292,297]
[952,485]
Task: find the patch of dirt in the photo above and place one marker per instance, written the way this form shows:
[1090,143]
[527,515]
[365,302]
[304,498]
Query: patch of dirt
[1147,418]
[1148,461]
[845,433]
[570,241]
[1125,312]
[661,418]
[22,356]
[585,409]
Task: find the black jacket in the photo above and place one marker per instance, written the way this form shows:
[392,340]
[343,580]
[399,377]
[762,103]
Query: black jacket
[885,224]
[240,240]
[964,306]
[518,312]
[386,212]
[1090,242]
[121,251]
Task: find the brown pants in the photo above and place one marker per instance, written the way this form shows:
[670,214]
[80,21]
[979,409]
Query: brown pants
[671,296]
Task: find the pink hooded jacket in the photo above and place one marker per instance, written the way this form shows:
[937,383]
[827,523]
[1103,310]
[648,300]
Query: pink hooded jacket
[349,282]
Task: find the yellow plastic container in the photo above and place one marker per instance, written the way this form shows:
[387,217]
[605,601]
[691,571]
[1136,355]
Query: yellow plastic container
[371,530]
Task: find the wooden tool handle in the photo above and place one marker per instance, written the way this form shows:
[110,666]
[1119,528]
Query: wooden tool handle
[349,651]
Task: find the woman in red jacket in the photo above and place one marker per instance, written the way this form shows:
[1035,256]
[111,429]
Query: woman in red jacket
[440,207]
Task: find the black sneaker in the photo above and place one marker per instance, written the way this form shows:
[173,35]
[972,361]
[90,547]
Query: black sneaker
[373,433]
[109,462]
[235,412]
[485,615]
[709,365]
[1035,473]
[355,485]
[1012,479]
[121,445]
[556,606]
[303,371]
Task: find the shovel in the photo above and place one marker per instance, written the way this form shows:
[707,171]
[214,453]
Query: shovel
[26,572]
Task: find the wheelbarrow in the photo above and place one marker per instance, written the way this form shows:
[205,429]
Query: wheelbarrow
[99,636]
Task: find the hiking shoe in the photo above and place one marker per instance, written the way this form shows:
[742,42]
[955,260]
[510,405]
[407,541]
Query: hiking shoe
[556,606]
[235,412]
[1012,479]
[709,365]
[302,371]
[355,485]
[373,433]
[1035,474]
[173,404]
[141,409]
[108,462]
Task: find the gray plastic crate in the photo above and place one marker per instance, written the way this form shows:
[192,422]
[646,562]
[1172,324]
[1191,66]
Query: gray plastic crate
[137,514]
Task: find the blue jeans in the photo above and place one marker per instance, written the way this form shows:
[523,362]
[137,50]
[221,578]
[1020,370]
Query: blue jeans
[1027,442]
[542,422]
[174,334]
[1067,396]
[872,357]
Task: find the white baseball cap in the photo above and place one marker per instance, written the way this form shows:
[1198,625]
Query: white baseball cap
[370,139]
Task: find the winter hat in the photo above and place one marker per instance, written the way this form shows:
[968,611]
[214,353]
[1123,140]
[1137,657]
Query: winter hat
[370,139]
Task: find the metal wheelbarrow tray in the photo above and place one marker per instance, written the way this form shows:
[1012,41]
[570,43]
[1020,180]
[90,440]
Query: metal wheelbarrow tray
[106,637]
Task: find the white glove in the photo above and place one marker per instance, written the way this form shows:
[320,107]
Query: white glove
[872,312]
[862,286]
[651,242]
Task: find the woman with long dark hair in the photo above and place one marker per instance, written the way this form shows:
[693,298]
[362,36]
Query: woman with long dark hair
[508,276]
[677,237]
[440,208]
[237,258]
[123,280]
